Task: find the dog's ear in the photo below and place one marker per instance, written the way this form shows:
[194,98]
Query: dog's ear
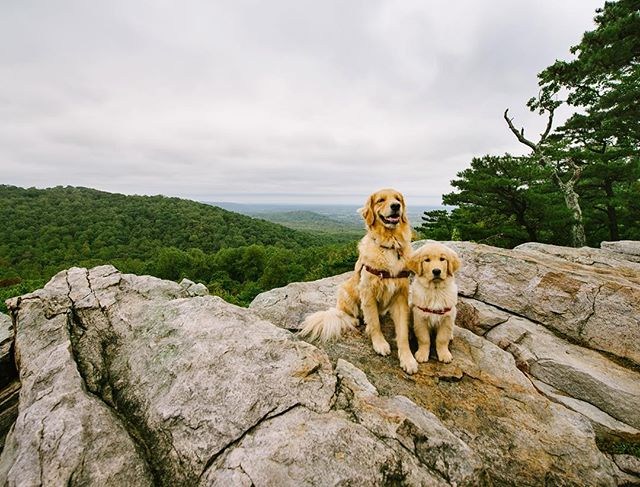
[414,264]
[453,262]
[367,212]
[403,216]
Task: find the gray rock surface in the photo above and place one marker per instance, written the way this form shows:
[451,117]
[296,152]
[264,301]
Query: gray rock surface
[128,380]
[185,377]
[628,464]
[606,427]
[302,298]
[132,380]
[628,249]
[193,289]
[479,317]
[596,307]
[595,258]
[303,448]
[63,435]
[482,398]
[416,429]
[579,372]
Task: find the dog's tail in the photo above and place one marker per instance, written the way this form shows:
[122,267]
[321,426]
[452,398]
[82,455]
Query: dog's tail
[327,325]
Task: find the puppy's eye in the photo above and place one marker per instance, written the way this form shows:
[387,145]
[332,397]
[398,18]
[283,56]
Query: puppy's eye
[441,259]
[427,260]
[381,200]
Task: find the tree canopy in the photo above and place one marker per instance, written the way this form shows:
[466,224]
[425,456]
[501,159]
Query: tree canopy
[593,157]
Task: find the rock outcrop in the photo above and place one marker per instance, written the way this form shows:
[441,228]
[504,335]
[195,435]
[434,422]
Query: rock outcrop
[626,249]
[132,380]
[571,350]
[596,306]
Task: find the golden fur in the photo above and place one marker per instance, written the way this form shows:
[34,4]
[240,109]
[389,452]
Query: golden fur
[385,247]
[433,288]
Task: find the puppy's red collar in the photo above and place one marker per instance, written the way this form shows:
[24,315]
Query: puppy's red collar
[382,274]
[434,311]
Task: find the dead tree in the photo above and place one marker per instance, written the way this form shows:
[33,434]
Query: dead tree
[567,188]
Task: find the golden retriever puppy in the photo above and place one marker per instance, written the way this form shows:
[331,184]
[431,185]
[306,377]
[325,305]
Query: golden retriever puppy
[380,283]
[433,296]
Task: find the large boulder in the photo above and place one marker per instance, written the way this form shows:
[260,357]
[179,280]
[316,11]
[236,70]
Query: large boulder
[165,382]
[595,306]
[481,397]
[130,380]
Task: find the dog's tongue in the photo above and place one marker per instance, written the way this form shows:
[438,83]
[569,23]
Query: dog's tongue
[393,219]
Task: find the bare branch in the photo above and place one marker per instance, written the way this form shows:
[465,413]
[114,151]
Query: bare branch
[519,135]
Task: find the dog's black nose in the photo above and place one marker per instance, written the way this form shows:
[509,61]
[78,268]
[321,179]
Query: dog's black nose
[395,206]
[436,272]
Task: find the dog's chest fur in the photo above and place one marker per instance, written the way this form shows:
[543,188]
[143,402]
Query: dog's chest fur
[389,259]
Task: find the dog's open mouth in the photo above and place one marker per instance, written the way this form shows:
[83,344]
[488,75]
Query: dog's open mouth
[393,219]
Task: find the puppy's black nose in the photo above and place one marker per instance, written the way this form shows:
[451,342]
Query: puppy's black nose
[436,272]
[395,206]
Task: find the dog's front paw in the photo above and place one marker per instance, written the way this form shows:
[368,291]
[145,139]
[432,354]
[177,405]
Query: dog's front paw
[409,364]
[445,356]
[422,355]
[381,346]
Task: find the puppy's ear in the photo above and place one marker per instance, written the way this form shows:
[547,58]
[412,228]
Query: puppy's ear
[367,212]
[414,264]
[453,263]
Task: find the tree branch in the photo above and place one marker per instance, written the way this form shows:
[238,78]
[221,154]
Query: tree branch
[519,134]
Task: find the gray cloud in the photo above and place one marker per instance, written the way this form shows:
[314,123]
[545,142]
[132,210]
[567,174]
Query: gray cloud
[314,100]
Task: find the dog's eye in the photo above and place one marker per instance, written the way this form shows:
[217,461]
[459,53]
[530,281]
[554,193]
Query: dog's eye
[381,200]
[441,259]
[427,260]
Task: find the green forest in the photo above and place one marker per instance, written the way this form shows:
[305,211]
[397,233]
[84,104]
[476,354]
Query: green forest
[578,182]
[237,257]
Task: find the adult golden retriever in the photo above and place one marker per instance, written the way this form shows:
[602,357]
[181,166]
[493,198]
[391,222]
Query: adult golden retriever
[433,296]
[380,283]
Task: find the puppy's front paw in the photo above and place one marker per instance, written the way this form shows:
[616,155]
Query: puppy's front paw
[422,355]
[409,364]
[381,346]
[445,356]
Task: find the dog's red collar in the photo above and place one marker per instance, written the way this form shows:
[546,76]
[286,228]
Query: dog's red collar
[434,311]
[382,274]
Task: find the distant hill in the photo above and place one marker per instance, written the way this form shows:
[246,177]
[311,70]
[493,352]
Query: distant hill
[310,221]
[328,219]
[43,231]
[68,223]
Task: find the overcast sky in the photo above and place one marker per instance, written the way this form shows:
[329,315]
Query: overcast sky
[270,101]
